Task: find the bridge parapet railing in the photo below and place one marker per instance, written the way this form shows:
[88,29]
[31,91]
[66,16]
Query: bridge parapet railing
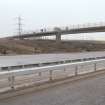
[78,26]
[87,25]
[69,27]
[26,77]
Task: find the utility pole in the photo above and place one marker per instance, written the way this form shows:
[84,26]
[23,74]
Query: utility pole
[19,26]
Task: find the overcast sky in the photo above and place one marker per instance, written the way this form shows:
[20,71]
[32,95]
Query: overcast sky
[37,14]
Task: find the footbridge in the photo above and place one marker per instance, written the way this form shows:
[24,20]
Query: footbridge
[59,31]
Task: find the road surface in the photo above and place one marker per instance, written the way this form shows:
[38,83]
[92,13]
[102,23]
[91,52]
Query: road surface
[6,61]
[83,92]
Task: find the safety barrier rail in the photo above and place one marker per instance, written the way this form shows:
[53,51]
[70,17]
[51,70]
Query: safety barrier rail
[23,77]
[63,61]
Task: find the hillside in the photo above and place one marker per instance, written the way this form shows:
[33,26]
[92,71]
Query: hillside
[8,46]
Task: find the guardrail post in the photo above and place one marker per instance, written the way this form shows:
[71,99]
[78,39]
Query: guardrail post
[64,69]
[11,80]
[9,68]
[76,70]
[23,66]
[40,74]
[50,75]
[0,68]
[95,66]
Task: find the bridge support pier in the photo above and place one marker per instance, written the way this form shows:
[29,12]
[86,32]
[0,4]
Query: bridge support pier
[58,37]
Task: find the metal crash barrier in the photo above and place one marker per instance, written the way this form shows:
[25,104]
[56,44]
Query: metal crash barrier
[24,77]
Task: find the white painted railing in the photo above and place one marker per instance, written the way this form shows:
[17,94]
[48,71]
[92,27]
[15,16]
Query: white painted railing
[13,79]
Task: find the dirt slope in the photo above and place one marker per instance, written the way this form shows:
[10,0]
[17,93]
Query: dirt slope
[8,46]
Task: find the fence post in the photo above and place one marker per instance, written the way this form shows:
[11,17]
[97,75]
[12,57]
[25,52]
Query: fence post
[50,75]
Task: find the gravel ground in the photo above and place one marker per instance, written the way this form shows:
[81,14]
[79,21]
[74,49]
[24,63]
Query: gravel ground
[84,92]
